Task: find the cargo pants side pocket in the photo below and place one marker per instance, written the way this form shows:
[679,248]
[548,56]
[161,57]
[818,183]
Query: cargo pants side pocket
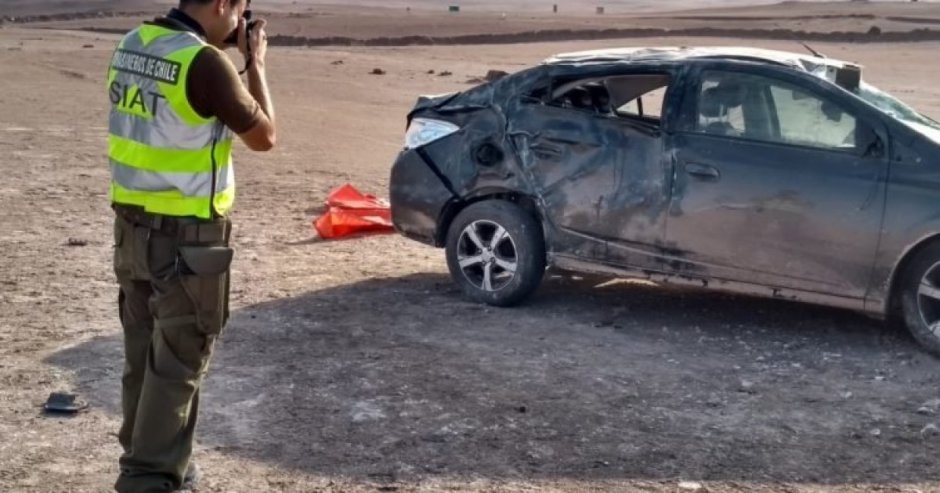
[204,274]
[130,251]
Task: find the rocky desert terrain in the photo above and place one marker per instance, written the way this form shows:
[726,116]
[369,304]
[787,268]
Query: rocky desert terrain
[357,366]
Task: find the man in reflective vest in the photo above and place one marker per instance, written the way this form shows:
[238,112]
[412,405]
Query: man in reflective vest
[176,102]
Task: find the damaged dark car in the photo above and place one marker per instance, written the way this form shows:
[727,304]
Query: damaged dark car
[753,171]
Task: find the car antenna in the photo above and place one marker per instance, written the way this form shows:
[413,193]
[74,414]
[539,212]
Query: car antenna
[811,50]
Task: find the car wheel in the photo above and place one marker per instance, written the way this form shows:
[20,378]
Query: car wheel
[920,297]
[496,252]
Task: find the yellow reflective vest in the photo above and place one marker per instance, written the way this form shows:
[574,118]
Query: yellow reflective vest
[164,157]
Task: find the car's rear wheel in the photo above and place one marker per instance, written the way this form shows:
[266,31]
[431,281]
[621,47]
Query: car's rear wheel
[920,297]
[496,252]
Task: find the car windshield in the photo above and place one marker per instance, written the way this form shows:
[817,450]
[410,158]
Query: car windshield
[900,111]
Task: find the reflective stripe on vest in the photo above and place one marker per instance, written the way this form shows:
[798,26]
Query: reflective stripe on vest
[164,157]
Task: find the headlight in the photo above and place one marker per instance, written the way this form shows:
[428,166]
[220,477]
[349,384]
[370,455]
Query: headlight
[423,131]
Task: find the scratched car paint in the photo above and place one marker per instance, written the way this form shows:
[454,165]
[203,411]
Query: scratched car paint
[752,171]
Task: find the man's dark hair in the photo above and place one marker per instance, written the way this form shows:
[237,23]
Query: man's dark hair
[187,3]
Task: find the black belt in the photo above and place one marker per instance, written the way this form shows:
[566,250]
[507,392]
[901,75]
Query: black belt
[187,229]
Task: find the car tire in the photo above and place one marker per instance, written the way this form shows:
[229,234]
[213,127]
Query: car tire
[496,252]
[920,297]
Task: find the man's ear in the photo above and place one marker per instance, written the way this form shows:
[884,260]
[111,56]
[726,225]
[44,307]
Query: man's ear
[219,6]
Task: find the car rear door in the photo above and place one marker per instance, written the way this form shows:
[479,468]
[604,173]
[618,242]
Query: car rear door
[602,180]
[780,181]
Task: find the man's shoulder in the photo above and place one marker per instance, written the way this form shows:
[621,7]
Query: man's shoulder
[213,60]
[214,88]
[164,23]
[211,54]
[211,68]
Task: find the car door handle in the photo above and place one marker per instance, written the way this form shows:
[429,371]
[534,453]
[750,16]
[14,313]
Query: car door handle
[703,172]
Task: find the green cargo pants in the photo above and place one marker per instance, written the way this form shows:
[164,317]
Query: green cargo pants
[173,275]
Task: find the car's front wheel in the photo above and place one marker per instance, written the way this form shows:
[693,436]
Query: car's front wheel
[920,297]
[496,252]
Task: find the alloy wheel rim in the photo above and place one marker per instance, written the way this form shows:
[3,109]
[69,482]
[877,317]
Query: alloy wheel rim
[928,299]
[487,255]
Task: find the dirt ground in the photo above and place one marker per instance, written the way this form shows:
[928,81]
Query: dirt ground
[357,366]
[313,21]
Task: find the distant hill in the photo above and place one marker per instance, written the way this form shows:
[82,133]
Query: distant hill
[38,7]
[614,6]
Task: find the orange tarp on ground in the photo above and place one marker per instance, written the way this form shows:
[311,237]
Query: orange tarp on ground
[350,212]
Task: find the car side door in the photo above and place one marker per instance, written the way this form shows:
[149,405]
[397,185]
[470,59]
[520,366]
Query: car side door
[602,178]
[780,182]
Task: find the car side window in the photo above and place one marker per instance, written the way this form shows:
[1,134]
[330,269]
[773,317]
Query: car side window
[645,105]
[769,110]
[638,97]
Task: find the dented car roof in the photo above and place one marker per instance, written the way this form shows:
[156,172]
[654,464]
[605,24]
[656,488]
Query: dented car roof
[826,68]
